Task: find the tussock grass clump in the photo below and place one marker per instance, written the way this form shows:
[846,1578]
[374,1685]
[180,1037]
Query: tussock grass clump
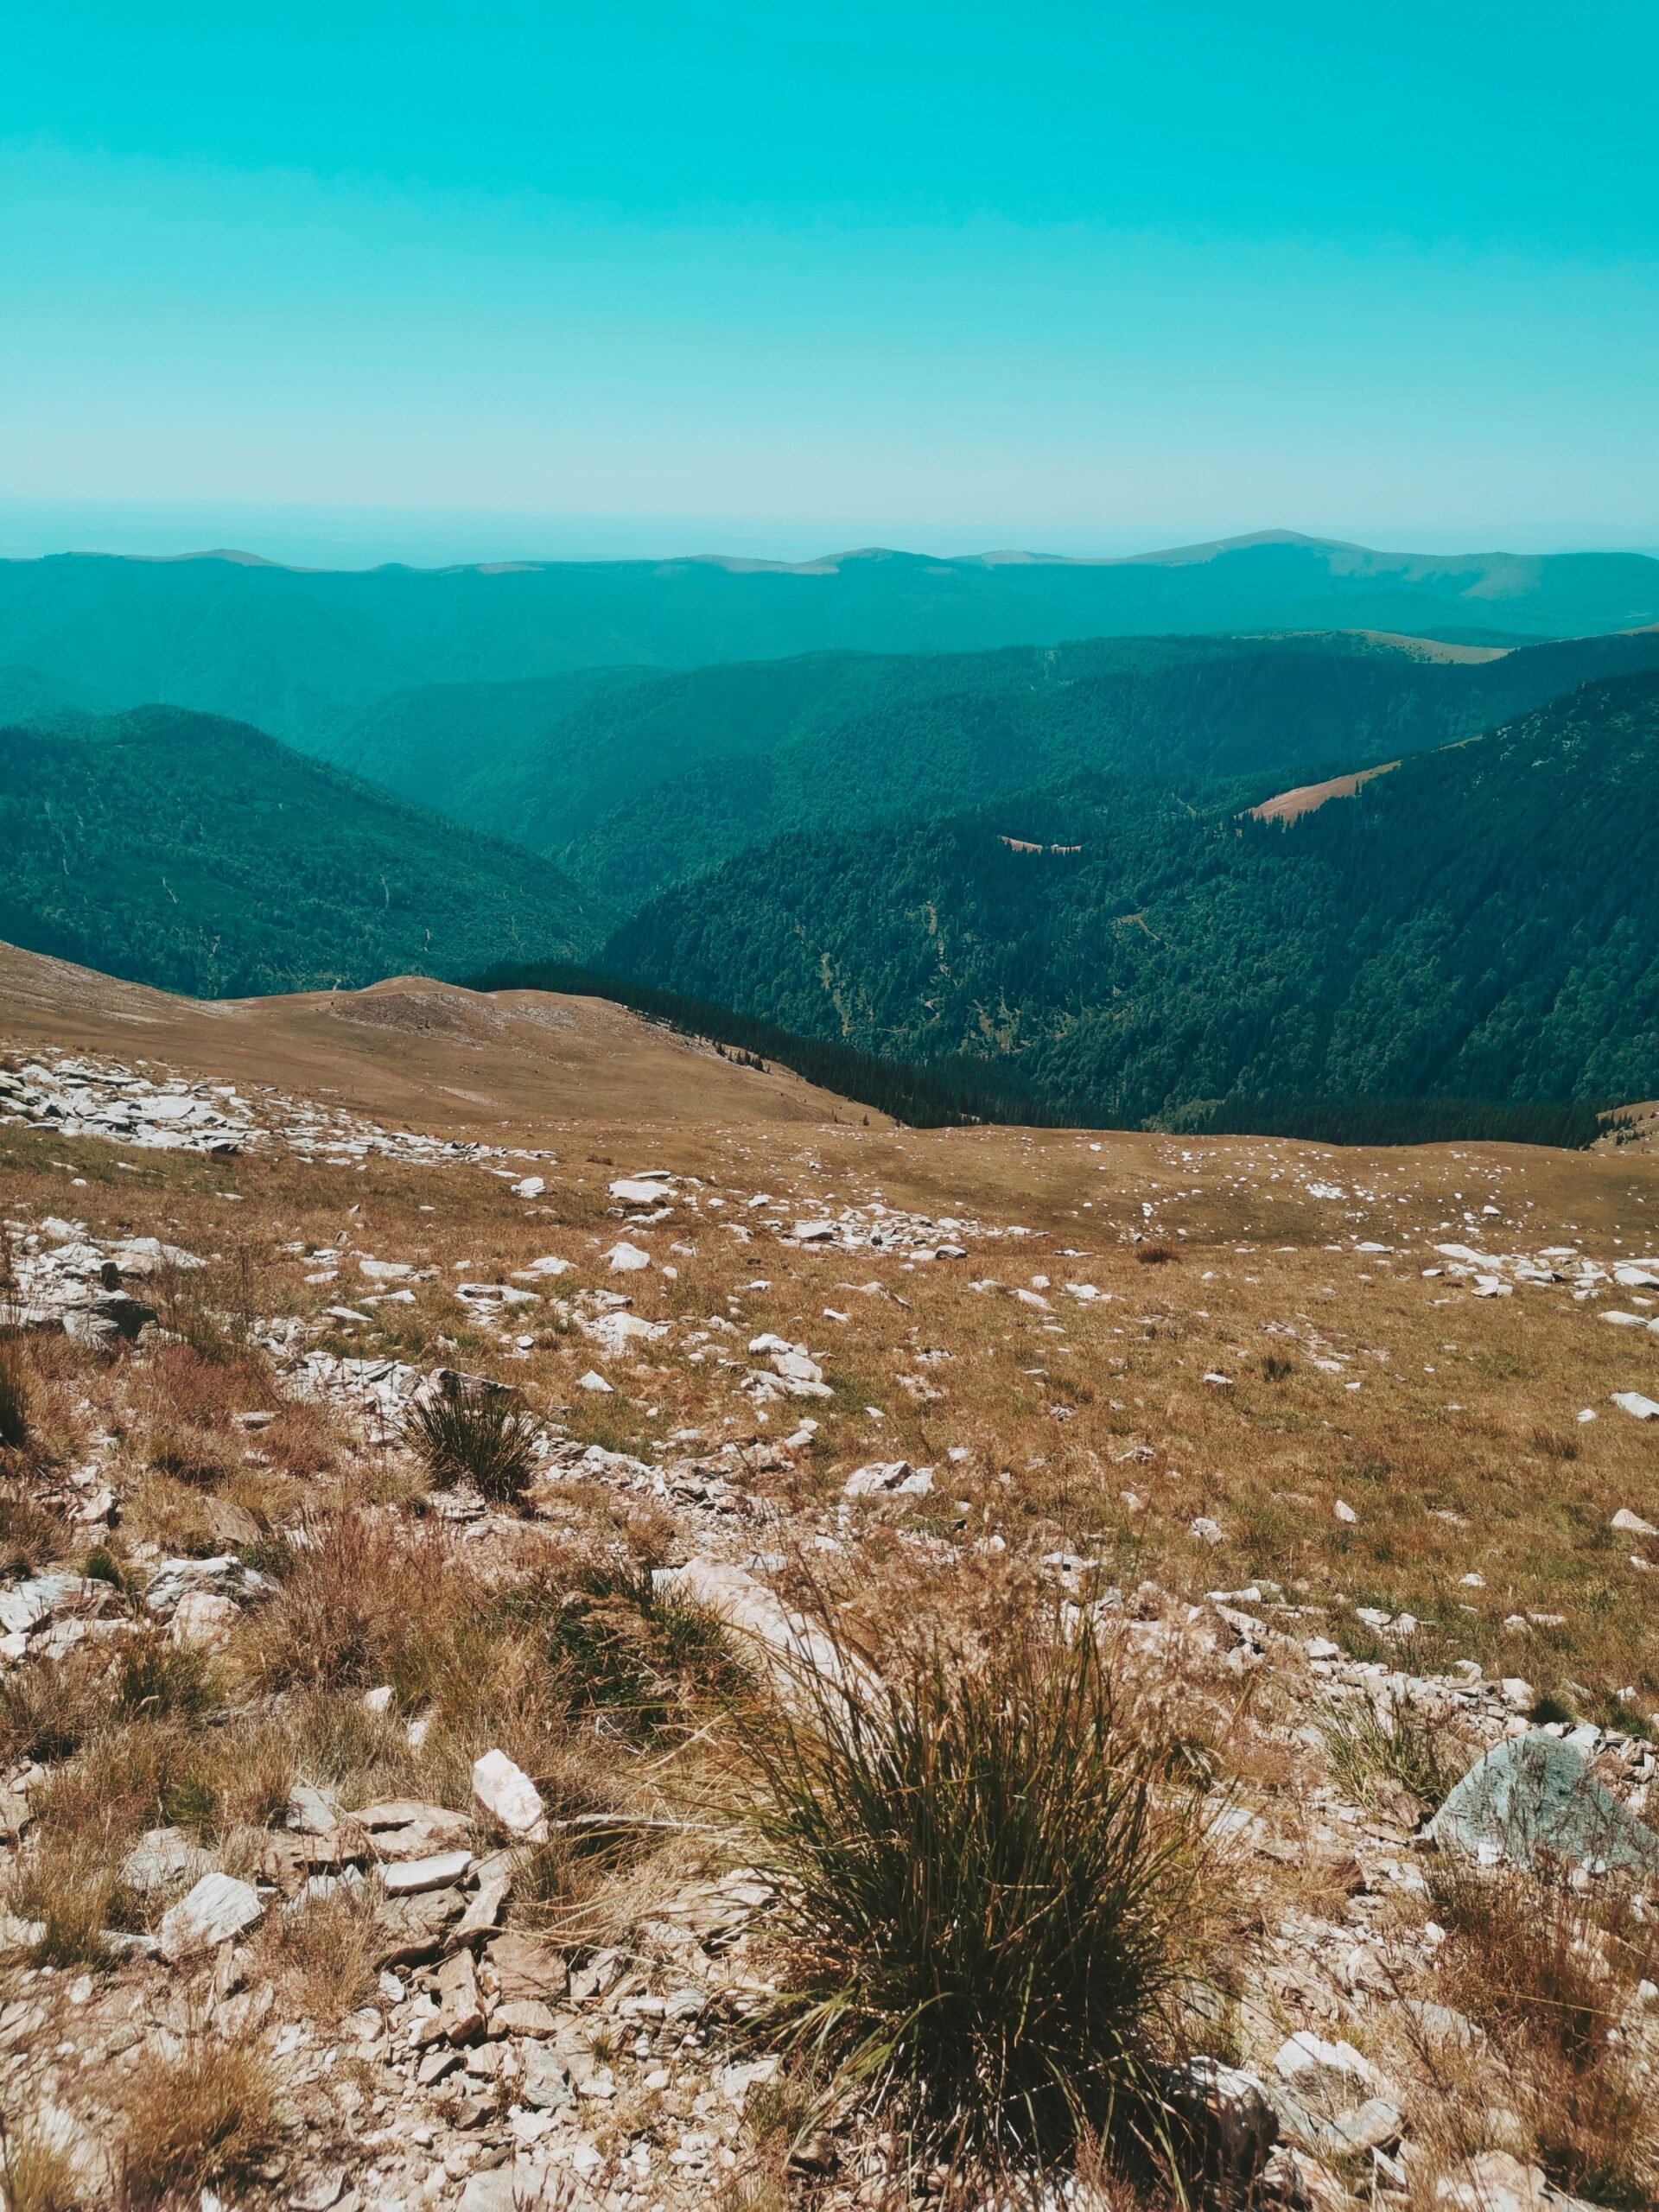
[1373,1755]
[322,1956]
[157,1679]
[992,1883]
[47,1713]
[69,1884]
[37,2171]
[475,1435]
[208,2115]
[30,1536]
[615,1641]
[359,1606]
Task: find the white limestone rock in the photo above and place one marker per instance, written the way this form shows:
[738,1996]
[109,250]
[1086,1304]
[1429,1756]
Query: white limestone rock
[217,1909]
[507,1793]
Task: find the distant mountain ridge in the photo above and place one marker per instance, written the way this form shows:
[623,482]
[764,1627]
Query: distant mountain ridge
[289,649]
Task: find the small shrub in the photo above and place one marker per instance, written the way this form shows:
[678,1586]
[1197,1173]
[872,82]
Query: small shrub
[1156,1255]
[1548,1710]
[992,1895]
[207,2116]
[475,1435]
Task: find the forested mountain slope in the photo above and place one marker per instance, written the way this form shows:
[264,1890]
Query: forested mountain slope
[632,778]
[200,855]
[1482,923]
[546,760]
[288,650]
[942,732]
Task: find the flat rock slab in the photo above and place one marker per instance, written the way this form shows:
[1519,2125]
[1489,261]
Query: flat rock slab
[413,1875]
[1533,1800]
[217,1908]
[527,1970]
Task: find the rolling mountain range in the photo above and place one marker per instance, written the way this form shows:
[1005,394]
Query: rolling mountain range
[1032,867]
[1483,921]
[289,650]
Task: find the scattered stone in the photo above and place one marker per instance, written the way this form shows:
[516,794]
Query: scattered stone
[1226,2118]
[527,1968]
[223,1577]
[1495,2181]
[460,2007]
[161,1858]
[509,1796]
[522,2186]
[641,1190]
[889,1477]
[321,2192]
[414,1875]
[546,2085]
[204,1619]
[483,1912]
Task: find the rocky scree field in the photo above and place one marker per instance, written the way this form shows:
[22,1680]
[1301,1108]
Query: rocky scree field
[713,1665]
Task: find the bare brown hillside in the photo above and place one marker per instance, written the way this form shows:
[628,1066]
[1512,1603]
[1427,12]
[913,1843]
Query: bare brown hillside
[461,1061]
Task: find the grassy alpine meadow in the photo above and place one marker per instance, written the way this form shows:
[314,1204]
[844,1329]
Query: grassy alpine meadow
[980,1615]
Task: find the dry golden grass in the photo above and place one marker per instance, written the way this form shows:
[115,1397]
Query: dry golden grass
[321,1958]
[37,2173]
[207,2115]
[1086,1429]
[1461,1450]
[359,1603]
[1550,1972]
[69,1886]
[16,1399]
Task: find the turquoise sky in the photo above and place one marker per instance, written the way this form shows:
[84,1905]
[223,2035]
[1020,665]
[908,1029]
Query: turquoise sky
[668,278]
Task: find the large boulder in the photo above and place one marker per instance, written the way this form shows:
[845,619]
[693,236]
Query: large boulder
[1533,1801]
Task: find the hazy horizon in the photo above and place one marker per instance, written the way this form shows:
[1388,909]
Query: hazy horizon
[351,538]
